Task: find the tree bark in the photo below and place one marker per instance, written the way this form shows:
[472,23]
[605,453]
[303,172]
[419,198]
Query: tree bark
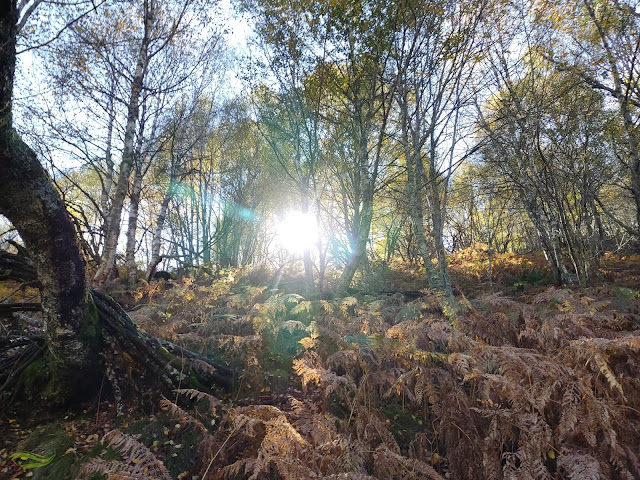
[437,206]
[115,213]
[306,254]
[156,243]
[107,181]
[30,201]
[134,204]
[414,188]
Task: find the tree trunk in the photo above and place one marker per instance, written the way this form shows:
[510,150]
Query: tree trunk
[414,197]
[156,243]
[142,163]
[414,189]
[306,254]
[437,221]
[113,219]
[134,204]
[30,201]
[550,243]
[107,181]
[362,230]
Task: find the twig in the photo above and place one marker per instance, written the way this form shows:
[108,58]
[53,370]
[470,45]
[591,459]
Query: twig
[22,285]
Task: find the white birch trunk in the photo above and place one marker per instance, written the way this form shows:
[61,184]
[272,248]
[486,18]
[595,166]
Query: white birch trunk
[113,220]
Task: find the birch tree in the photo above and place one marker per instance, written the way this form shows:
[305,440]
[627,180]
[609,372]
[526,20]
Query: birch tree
[65,363]
[435,53]
[546,135]
[157,33]
[598,42]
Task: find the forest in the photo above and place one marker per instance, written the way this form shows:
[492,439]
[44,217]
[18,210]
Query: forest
[320,239]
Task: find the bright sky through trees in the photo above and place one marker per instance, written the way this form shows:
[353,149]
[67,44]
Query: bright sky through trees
[297,232]
[366,113]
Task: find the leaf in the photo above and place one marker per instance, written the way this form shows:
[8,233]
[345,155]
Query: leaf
[28,460]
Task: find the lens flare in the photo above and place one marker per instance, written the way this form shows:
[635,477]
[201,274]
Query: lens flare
[297,232]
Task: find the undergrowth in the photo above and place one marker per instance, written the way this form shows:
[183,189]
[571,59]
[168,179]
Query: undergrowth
[541,386]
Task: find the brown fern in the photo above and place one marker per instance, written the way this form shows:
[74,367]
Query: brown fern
[138,461]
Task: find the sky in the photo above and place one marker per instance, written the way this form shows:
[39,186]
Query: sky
[32,86]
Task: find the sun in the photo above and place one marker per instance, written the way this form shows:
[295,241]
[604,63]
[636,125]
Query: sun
[297,232]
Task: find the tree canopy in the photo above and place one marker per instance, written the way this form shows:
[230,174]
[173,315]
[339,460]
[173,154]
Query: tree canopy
[345,137]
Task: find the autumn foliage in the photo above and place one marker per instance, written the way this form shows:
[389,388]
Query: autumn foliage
[540,383]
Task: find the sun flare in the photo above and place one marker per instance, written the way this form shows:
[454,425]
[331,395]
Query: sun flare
[297,232]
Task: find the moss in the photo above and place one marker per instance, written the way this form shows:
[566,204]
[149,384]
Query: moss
[53,439]
[166,354]
[44,386]
[192,382]
[36,375]
[174,361]
[91,327]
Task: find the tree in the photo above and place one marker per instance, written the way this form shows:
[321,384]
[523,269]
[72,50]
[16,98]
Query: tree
[358,111]
[187,127]
[80,324]
[289,111]
[290,127]
[155,38]
[143,157]
[546,135]
[597,42]
[91,68]
[435,54]
[35,208]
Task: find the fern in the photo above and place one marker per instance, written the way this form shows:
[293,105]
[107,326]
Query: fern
[292,325]
[347,476]
[302,307]
[311,372]
[138,462]
[578,466]
[389,464]
[191,393]
[185,417]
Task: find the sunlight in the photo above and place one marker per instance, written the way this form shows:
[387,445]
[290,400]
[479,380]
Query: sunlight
[297,232]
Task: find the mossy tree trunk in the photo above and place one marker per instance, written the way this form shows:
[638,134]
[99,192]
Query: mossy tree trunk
[30,201]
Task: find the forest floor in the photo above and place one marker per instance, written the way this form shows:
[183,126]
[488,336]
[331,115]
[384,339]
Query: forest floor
[516,379]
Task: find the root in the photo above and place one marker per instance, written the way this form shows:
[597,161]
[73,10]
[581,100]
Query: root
[20,353]
[135,363]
